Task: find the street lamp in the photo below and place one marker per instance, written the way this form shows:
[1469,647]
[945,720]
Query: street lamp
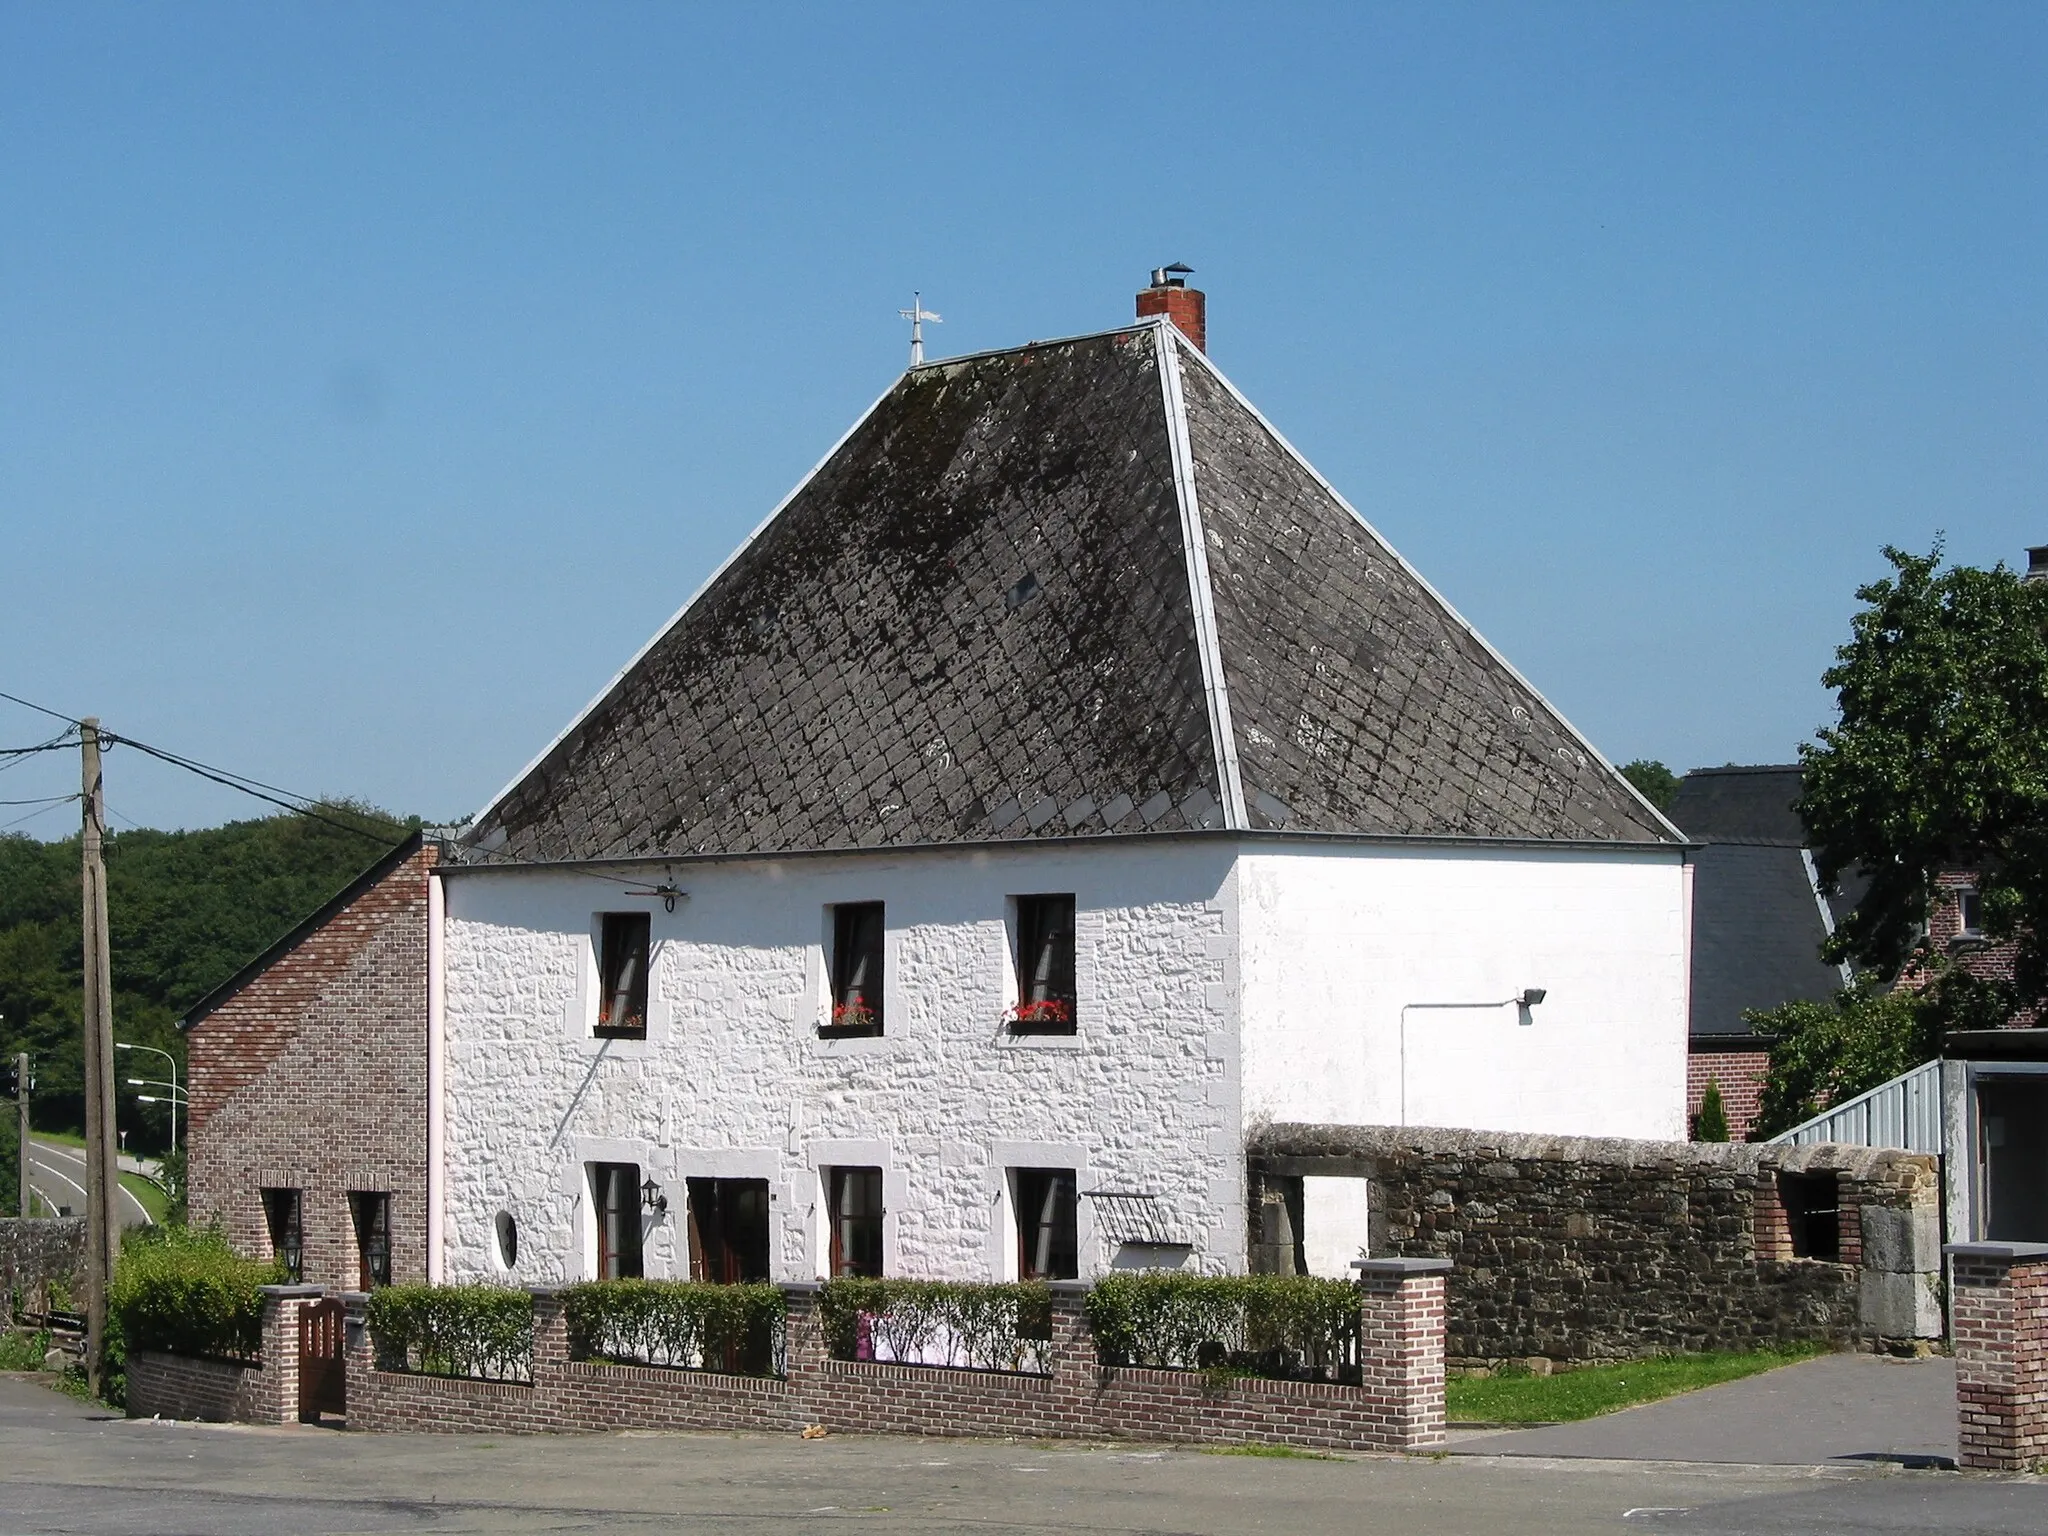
[178,1096]
[123,1045]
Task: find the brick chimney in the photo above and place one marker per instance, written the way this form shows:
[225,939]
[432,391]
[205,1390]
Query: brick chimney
[2037,563]
[1171,296]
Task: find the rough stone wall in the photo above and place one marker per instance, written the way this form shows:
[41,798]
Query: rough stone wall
[1593,1248]
[313,1077]
[1740,1075]
[34,1252]
[733,1080]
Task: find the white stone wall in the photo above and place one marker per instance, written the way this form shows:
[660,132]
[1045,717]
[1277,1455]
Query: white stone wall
[1341,941]
[733,1080]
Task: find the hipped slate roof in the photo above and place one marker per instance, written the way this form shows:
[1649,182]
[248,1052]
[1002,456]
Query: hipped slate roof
[1078,587]
[1757,922]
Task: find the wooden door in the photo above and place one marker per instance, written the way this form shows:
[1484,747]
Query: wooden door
[323,1371]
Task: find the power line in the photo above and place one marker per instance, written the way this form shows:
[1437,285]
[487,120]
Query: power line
[273,794]
[39,709]
[41,800]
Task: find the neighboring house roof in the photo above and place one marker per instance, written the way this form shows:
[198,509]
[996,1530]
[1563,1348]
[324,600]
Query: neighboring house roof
[1078,587]
[301,931]
[1757,920]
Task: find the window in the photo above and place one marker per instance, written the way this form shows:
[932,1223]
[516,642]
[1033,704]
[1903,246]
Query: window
[615,1196]
[1969,915]
[856,969]
[372,1214]
[507,1227]
[1048,1244]
[854,1205]
[622,976]
[1045,966]
[1813,1218]
[729,1230]
[281,1213]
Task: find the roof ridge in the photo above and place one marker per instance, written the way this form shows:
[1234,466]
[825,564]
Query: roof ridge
[1129,327]
[1201,594]
[1428,589]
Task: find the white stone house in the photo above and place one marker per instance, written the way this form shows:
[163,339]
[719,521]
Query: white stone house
[1061,781]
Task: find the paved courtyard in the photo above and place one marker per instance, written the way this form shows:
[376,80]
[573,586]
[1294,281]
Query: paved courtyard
[66,1467]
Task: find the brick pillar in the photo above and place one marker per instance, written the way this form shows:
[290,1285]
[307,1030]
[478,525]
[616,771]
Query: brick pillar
[1076,1366]
[1998,1299]
[359,1358]
[1401,1345]
[277,1389]
[550,1347]
[803,1352]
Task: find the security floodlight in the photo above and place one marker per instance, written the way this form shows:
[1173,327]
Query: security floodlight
[1531,996]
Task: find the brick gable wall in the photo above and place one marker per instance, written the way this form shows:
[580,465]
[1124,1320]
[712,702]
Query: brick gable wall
[1740,1075]
[313,1076]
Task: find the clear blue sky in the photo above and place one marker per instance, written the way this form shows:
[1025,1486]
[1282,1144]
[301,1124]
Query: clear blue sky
[374,380]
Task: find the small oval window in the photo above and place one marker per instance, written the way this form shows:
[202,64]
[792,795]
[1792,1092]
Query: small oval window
[508,1240]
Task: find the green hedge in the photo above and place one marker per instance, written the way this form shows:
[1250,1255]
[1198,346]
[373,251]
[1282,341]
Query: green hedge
[1288,1326]
[185,1291]
[939,1322]
[685,1324]
[482,1331]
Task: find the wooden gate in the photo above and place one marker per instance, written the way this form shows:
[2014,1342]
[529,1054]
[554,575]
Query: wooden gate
[323,1373]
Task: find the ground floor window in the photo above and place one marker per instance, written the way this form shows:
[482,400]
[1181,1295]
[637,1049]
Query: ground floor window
[282,1214]
[1048,1239]
[729,1230]
[371,1210]
[854,1204]
[615,1191]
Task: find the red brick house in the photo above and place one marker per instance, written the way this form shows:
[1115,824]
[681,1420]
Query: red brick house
[308,1073]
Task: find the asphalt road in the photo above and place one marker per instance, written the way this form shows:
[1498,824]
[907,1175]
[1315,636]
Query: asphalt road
[66,1467]
[57,1174]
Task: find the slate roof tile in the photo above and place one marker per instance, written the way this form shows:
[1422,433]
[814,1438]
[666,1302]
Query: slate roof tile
[977,619]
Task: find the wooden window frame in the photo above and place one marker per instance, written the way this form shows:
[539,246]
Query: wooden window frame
[714,1209]
[625,956]
[858,965]
[615,1193]
[1044,953]
[1047,1207]
[857,1230]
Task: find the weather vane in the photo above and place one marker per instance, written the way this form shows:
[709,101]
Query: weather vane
[917,314]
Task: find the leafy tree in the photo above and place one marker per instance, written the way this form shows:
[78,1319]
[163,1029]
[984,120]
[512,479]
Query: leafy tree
[1656,783]
[1939,762]
[186,910]
[1711,1123]
[1827,1052]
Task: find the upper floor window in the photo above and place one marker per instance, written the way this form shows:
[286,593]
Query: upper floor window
[622,950]
[856,969]
[282,1213]
[1045,966]
[1969,915]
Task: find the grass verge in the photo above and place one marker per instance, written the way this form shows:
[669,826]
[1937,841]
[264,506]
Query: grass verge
[1255,1448]
[150,1194]
[1584,1394]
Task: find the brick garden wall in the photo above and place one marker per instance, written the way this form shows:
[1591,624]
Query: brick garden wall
[1397,1406]
[312,1076]
[181,1387]
[1583,1249]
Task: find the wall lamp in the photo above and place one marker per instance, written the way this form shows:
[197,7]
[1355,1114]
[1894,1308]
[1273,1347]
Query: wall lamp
[652,1198]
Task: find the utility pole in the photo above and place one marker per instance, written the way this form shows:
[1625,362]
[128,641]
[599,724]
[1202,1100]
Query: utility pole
[21,1110]
[103,1185]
